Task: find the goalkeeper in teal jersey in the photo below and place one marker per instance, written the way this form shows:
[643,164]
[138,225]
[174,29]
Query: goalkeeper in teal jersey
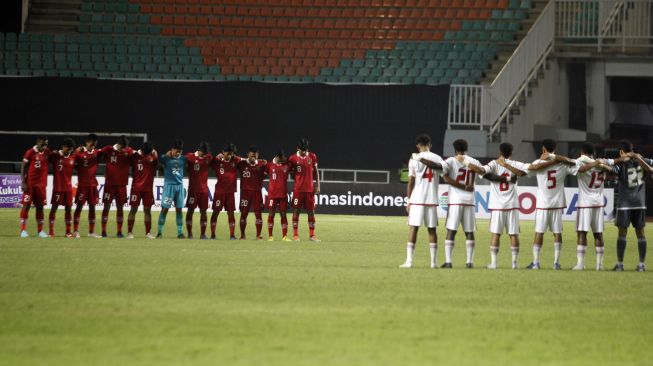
[173,186]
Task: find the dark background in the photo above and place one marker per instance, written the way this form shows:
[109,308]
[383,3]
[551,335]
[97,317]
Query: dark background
[353,126]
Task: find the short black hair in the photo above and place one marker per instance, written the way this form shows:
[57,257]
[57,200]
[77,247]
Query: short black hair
[302,144]
[123,141]
[549,145]
[253,148]
[68,142]
[41,138]
[423,139]
[147,147]
[626,146]
[460,145]
[229,148]
[587,149]
[506,149]
[205,147]
[280,153]
[91,137]
[178,144]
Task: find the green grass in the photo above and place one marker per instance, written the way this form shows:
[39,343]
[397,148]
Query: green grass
[340,302]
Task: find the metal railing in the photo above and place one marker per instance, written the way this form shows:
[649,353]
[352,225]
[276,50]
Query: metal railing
[465,106]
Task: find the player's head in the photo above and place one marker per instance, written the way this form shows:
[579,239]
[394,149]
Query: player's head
[67,145]
[460,146]
[122,142]
[228,151]
[587,149]
[252,152]
[204,148]
[548,146]
[280,155]
[41,142]
[302,146]
[177,146]
[423,142]
[506,150]
[625,147]
[90,141]
[147,148]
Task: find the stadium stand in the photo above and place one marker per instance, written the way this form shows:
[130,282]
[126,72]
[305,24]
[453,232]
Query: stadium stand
[334,41]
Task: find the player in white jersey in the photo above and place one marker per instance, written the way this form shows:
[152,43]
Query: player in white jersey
[504,203]
[591,175]
[422,198]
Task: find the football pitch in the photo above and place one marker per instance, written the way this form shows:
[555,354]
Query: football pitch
[340,302]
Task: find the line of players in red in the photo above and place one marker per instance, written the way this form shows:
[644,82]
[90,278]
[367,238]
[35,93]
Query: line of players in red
[143,163]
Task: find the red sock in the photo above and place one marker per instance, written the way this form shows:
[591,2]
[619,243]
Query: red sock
[68,218]
[243,223]
[214,223]
[259,223]
[203,220]
[130,223]
[270,224]
[284,225]
[311,225]
[91,221]
[232,223]
[51,218]
[119,219]
[295,224]
[24,215]
[105,220]
[76,218]
[39,219]
[148,227]
[189,223]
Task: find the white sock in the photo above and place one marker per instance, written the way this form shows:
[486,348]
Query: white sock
[410,249]
[433,248]
[515,254]
[536,253]
[580,254]
[448,250]
[470,244]
[557,247]
[494,252]
[599,256]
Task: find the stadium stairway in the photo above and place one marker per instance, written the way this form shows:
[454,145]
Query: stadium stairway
[335,41]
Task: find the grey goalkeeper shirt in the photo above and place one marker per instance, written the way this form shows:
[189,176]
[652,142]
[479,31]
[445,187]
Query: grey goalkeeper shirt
[631,185]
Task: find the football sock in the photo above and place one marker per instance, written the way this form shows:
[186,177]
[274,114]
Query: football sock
[621,249]
[148,226]
[179,218]
[24,215]
[243,222]
[203,220]
[91,220]
[515,254]
[641,247]
[494,253]
[214,222]
[259,223]
[599,256]
[536,253]
[311,225]
[105,220]
[120,215]
[189,222]
[76,218]
[433,249]
[39,219]
[162,221]
[232,223]
[130,223]
[52,217]
[270,224]
[295,224]
[284,225]
[448,250]
[470,245]
[410,249]
[68,219]
[557,249]
[580,254]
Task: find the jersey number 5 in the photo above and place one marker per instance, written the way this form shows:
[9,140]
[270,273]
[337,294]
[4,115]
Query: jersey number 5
[551,177]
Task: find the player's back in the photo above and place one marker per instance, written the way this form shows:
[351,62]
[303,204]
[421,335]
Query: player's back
[631,194]
[590,187]
[460,173]
[425,191]
[503,195]
[551,186]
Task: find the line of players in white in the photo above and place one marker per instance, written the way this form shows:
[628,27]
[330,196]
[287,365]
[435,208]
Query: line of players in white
[550,170]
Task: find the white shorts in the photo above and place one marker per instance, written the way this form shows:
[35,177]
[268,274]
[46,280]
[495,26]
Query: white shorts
[590,218]
[458,214]
[507,220]
[419,215]
[548,219]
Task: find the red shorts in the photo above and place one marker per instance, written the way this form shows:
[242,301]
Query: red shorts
[305,200]
[118,193]
[34,196]
[280,204]
[251,201]
[62,198]
[86,194]
[224,201]
[135,199]
[200,200]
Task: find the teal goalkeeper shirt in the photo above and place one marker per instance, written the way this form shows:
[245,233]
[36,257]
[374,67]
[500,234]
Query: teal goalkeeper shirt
[173,169]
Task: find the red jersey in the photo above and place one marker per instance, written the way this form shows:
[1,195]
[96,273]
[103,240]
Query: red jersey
[87,162]
[198,172]
[63,171]
[303,166]
[143,171]
[278,175]
[118,163]
[37,173]
[226,172]
[251,175]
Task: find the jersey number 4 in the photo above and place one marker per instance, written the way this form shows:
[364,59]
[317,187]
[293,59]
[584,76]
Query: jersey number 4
[428,174]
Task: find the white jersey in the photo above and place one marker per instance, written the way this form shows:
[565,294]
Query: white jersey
[463,175]
[503,196]
[551,185]
[590,186]
[425,191]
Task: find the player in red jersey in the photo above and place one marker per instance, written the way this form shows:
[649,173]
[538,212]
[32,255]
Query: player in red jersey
[35,180]
[252,172]
[87,158]
[198,163]
[277,171]
[144,164]
[225,167]
[63,163]
[304,165]
[118,159]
